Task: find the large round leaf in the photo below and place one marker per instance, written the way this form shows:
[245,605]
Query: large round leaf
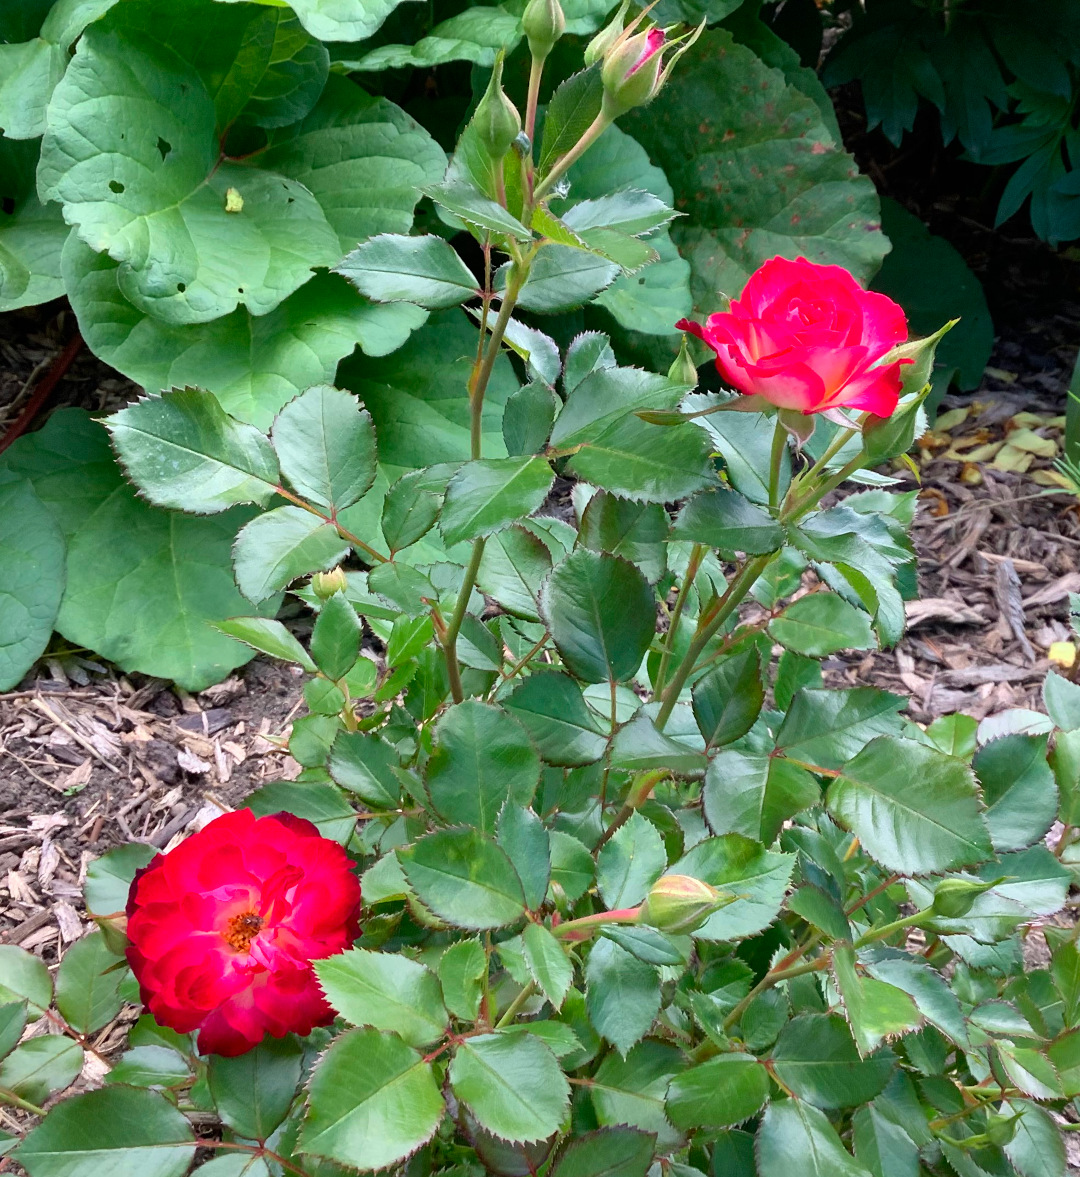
[31,234]
[756,169]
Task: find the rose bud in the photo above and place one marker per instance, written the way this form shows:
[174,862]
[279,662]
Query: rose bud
[631,71]
[808,337]
[496,120]
[607,36]
[683,370]
[224,928]
[543,23]
[325,584]
[679,903]
[954,898]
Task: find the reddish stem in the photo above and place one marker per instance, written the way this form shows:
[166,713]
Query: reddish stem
[41,394]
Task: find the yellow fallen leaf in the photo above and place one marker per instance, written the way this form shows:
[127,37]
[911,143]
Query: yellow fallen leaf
[1056,422]
[1031,443]
[1053,478]
[950,420]
[1062,654]
[982,453]
[1001,374]
[970,474]
[1027,420]
[1013,460]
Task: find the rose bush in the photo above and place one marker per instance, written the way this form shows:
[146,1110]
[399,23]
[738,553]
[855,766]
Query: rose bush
[224,928]
[809,337]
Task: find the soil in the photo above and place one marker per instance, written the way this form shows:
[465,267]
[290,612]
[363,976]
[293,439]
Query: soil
[91,757]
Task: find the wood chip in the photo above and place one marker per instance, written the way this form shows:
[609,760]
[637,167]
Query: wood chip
[67,920]
[929,609]
[189,762]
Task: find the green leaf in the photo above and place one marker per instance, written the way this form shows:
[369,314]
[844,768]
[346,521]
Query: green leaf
[607,1152]
[744,441]
[122,196]
[512,1085]
[630,862]
[1019,790]
[914,809]
[276,548]
[32,558]
[325,443]
[1037,1148]
[638,746]
[1065,762]
[88,984]
[928,989]
[364,764]
[13,1018]
[882,1145]
[269,636]
[512,570]
[1028,1070]
[109,878]
[462,968]
[371,1096]
[955,735]
[254,364]
[184,451]
[528,418]
[464,878]
[253,1091]
[632,1091]
[876,1010]
[335,639]
[548,963]
[408,512]
[150,1066]
[561,279]
[816,1057]
[464,199]
[648,944]
[765,178]
[128,1131]
[728,699]
[820,624]
[385,990]
[574,105]
[41,1066]
[719,1093]
[728,520]
[1065,969]
[523,836]
[482,757]
[552,710]
[622,994]
[487,495]
[600,613]
[1062,699]
[422,270]
[320,803]
[757,877]
[32,234]
[473,35]
[636,531]
[795,1137]
[572,869]
[24,977]
[829,727]
[754,795]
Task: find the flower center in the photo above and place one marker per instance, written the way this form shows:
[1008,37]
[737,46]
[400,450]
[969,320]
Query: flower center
[242,930]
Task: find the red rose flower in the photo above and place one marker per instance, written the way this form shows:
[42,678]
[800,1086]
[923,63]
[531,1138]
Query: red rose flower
[224,928]
[808,337]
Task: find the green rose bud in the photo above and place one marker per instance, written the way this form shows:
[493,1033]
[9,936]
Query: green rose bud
[683,370]
[496,120]
[325,584]
[1001,1129]
[953,898]
[679,903]
[607,36]
[544,23]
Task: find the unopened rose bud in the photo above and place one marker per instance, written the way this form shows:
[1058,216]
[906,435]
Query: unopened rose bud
[631,73]
[954,898]
[679,903]
[607,36]
[543,23]
[683,370]
[496,120]
[1001,1129]
[325,584]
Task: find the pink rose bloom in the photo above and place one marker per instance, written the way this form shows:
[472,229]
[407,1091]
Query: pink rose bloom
[808,337]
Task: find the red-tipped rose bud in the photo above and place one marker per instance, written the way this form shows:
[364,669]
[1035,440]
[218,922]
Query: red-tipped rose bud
[325,584]
[496,120]
[543,23]
[631,72]
[679,903]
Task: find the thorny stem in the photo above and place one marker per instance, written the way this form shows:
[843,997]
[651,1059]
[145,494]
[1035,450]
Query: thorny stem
[524,660]
[478,383]
[583,928]
[514,1008]
[355,540]
[595,129]
[697,554]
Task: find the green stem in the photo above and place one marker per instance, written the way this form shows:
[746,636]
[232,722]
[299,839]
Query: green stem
[834,447]
[595,129]
[886,930]
[457,617]
[775,976]
[514,1008]
[17,1101]
[779,445]
[535,70]
[740,585]
[355,540]
[697,554]
[639,794]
